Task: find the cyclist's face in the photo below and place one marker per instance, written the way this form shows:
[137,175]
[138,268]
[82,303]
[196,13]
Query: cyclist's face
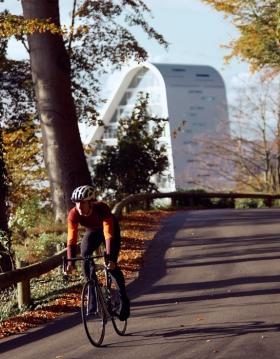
[83,207]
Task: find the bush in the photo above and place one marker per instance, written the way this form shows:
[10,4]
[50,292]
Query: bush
[27,214]
[195,202]
[27,218]
[38,247]
[249,203]
[8,303]
[276,203]
[223,203]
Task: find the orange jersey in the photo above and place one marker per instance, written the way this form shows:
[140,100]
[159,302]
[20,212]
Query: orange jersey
[100,218]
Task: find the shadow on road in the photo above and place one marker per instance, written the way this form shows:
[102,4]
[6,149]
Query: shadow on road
[222,330]
[214,296]
[185,334]
[155,265]
[154,260]
[54,327]
[203,332]
[261,216]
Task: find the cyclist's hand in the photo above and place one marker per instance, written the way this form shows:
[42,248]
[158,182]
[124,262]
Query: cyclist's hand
[70,268]
[110,265]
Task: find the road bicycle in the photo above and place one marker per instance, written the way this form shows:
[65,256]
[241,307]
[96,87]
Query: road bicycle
[101,291]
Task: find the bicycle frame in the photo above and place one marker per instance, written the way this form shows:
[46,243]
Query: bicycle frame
[105,302]
[103,297]
[93,276]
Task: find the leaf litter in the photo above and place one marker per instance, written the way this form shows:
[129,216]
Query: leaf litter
[138,229]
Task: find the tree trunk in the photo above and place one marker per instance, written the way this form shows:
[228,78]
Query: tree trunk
[63,152]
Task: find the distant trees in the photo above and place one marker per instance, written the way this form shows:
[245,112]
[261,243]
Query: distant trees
[256,131]
[251,157]
[259,27]
[129,166]
[255,148]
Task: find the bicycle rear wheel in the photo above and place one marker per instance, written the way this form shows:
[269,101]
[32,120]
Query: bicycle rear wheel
[93,318]
[116,303]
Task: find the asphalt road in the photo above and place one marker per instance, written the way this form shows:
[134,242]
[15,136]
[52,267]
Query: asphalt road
[210,288]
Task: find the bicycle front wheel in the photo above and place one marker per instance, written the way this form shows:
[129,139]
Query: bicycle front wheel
[116,303]
[93,315]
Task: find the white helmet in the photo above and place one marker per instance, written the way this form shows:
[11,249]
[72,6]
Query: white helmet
[82,193]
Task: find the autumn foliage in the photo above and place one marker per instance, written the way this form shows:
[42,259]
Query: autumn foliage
[138,229]
[258,25]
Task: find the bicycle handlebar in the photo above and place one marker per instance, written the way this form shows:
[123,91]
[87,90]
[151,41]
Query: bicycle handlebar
[75,259]
[82,258]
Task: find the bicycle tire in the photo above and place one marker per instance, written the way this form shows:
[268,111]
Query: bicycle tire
[94,324]
[119,326]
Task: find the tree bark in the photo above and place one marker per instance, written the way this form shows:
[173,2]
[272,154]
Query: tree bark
[63,151]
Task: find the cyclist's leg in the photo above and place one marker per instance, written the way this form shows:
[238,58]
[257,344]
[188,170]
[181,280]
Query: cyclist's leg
[90,242]
[118,274]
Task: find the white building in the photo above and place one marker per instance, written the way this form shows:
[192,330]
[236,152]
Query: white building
[192,97]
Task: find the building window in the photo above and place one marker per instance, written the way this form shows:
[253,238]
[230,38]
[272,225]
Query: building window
[110,132]
[126,97]
[208,98]
[179,69]
[196,108]
[138,78]
[195,91]
[202,75]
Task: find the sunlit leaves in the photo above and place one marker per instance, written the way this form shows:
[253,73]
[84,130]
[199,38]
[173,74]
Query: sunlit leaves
[258,24]
[24,161]
[13,25]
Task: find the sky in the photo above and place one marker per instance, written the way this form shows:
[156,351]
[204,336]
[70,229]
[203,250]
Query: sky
[195,31]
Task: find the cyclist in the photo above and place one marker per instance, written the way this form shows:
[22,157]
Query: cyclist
[101,227]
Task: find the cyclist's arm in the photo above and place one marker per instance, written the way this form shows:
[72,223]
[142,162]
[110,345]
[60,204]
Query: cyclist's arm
[108,230]
[72,238]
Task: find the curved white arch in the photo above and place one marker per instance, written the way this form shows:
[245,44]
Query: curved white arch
[115,100]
